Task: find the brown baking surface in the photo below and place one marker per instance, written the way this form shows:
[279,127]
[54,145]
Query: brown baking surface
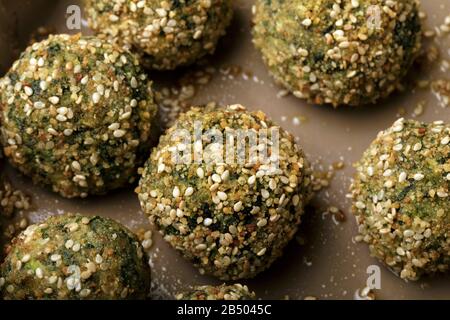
[329,265]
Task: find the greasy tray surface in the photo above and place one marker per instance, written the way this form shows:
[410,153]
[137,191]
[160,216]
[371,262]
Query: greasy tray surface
[329,264]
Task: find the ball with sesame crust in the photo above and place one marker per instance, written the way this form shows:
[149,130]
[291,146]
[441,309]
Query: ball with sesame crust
[223,292]
[71,257]
[351,52]
[230,217]
[77,115]
[167,34]
[400,198]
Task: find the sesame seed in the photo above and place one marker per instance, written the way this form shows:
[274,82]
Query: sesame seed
[207,222]
[189,191]
[261,252]
[251,180]
[265,194]
[76,247]
[387,173]
[84,293]
[98,259]
[400,251]
[69,244]
[417,146]
[96,97]
[306,22]
[418,176]
[222,195]
[39,105]
[26,258]
[261,223]
[61,118]
[55,257]
[39,273]
[28,91]
[134,83]
[84,80]
[237,206]
[360,205]
[216,178]
[53,100]
[402,177]
[114,126]
[119,133]
[445,140]
[176,192]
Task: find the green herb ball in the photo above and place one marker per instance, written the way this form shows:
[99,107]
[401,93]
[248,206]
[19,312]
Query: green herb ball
[75,257]
[401,198]
[223,292]
[76,115]
[167,34]
[231,219]
[350,52]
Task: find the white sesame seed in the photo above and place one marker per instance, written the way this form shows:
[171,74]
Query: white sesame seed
[402,177]
[442,194]
[98,259]
[84,80]
[200,173]
[28,91]
[360,205]
[251,180]
[53,100]
[261,223]
[161,167]
[417,146]
[176,192]
[119,133]
[43,85]
[189,191]
[85,292]
[39,105]
[400,251]
[307,22]
[207,222]
[418,176]
[69,244]
[222,195]
[26,258]
[61,118]
[445,140]
[265,194]
[261,252]
[39,273]
[52,131]
[55,257]
[216,178]
[161,12]
[76,247]
[237,206]
[134,83]
[96,97]
[355,3]
[114,126]
[76,165]
[387,173]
